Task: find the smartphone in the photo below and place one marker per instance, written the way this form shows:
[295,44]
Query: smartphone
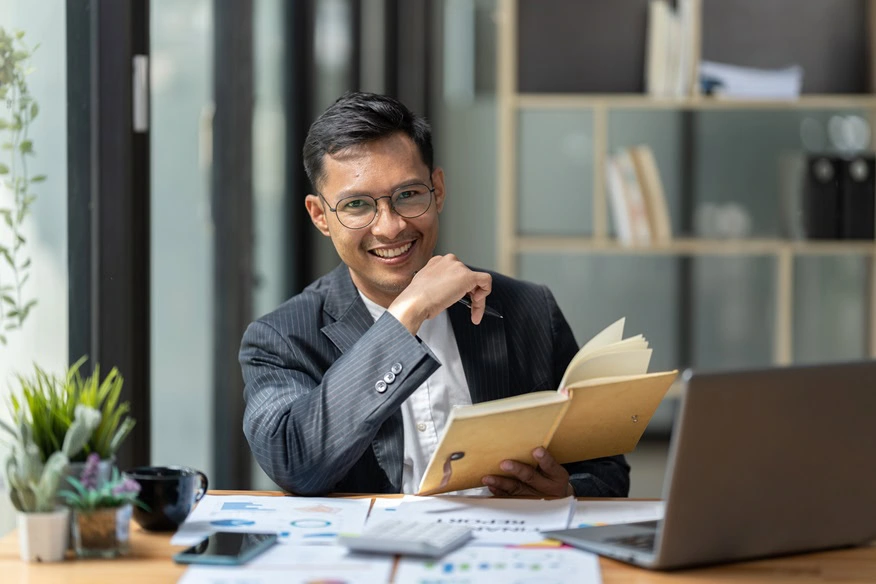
[226,548]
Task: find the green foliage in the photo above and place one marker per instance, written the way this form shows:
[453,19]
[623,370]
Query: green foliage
[86,496]
[18,109]
[33,485]
[47,405]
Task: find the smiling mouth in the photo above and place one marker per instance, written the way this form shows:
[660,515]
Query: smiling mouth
[392,252]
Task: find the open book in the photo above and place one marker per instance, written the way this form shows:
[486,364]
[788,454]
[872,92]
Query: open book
[605,400]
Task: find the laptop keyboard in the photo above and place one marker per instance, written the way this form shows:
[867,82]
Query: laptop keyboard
[640,541]
[644,541]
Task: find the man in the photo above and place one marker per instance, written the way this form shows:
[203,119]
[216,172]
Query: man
[349,384]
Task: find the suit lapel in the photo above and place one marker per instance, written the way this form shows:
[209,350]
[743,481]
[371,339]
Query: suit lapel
[483,351]
[351,321]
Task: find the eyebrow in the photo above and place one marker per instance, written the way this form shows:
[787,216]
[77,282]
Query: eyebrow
[401,185]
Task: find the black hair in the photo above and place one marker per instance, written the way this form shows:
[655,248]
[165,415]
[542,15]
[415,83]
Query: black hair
[357,118]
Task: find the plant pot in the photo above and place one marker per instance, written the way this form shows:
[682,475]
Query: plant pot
[42,537]
[102,533]
[74,469]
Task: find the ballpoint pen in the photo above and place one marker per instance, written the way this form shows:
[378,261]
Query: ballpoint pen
[466,301]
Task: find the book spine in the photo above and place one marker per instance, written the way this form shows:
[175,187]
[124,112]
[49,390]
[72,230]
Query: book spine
[558,420]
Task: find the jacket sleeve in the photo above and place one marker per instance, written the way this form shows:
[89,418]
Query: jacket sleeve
[600,477]
[307,428]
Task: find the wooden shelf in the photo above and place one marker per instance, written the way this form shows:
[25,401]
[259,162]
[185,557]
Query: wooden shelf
[637,101]
[693,246]
[783,253]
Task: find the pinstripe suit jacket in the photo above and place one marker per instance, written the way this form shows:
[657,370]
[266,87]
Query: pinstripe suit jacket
[315,420]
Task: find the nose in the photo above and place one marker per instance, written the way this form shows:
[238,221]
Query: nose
[388,223]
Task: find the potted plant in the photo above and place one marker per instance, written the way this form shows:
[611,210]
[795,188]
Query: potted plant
[42,523]
[101,512]
[48,403]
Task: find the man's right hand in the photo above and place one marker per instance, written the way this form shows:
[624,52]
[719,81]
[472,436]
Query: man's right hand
[441,282]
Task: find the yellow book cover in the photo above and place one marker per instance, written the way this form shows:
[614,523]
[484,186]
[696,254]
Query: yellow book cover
[605,400]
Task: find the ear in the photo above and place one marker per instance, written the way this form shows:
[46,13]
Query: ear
[317,214]
[438,184]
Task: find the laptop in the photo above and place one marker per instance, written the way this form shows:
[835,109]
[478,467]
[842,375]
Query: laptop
[761,463]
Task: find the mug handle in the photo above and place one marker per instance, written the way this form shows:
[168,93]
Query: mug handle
[203,489]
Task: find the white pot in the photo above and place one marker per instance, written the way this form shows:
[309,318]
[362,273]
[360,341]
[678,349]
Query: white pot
[42,537]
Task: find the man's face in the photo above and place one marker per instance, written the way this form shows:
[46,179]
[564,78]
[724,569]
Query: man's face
[383,256]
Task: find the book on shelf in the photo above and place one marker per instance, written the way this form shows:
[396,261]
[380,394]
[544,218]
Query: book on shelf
[648,175]
[636,197]
[605,400]
[671,59]
[656,58]
[617,202]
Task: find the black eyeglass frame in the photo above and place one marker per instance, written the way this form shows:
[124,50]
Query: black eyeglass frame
[376,207]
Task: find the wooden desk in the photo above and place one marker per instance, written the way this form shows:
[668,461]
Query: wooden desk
[150,562]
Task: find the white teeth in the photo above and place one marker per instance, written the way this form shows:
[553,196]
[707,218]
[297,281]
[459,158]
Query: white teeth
[391,253]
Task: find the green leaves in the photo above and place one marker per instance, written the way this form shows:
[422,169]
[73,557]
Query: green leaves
[19,110]
[49,405]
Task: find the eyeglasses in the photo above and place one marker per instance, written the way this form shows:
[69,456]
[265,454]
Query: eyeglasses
[358,211]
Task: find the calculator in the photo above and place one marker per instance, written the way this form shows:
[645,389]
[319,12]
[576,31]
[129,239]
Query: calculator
[408,538]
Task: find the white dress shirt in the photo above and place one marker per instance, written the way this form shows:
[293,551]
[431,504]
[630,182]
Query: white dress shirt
[425,412]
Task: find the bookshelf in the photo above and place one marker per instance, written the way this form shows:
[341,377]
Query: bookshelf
[513,102]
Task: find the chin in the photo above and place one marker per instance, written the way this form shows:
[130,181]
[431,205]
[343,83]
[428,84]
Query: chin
[395,287]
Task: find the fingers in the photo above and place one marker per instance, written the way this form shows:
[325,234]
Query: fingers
[443,281]
[549,466]
[549,478]
[507,486]
[478,295]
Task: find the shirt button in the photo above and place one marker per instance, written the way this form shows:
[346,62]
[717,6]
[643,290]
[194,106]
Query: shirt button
[421,427]
[380,386]
[397,368]
[389,377]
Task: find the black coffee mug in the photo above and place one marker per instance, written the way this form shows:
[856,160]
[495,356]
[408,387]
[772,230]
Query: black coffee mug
[169,492]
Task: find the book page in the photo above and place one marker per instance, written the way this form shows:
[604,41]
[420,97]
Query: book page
[631,344]
[609,364]
[506,404]
[613,333]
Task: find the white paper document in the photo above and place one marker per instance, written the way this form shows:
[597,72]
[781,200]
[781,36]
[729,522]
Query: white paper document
[291,564]
[493,520]
[384,509]
[751,83]
[593,513]
[479,564]
[296,519]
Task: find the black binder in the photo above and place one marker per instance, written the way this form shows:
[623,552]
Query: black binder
[857,198]
[821,196]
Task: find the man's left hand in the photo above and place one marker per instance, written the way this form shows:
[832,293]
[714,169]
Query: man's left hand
[548,479]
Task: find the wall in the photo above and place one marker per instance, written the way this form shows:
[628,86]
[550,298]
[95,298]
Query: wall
[44,337]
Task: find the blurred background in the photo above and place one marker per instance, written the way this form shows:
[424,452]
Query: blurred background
[172,210]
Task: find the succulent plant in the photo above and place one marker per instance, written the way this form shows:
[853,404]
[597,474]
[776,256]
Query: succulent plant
[33,484]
